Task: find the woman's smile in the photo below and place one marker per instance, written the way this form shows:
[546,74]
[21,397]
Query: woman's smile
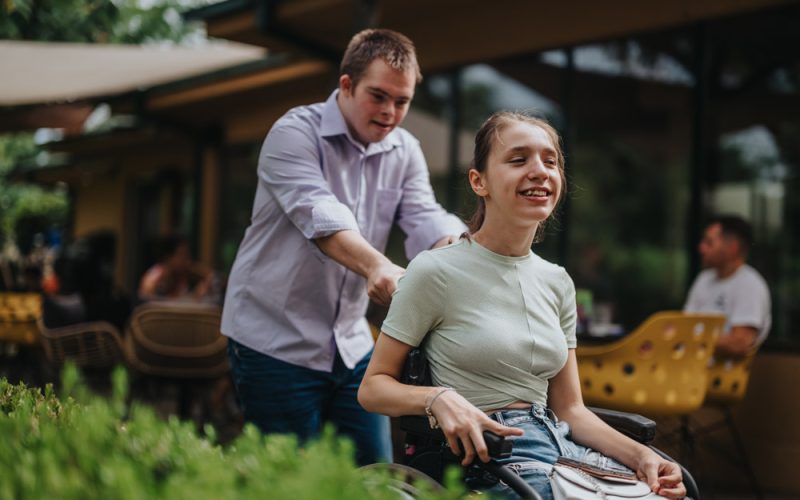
[536,195]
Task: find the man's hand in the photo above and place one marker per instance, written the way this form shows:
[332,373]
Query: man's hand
[382,282]
[351,250]
[447,240]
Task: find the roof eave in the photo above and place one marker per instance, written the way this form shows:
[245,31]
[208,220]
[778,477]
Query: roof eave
[217,10]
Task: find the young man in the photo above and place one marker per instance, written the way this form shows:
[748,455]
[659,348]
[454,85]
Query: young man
[333,179]
[731,287]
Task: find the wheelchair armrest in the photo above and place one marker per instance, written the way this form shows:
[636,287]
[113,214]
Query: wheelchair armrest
[635,426]
[498,446]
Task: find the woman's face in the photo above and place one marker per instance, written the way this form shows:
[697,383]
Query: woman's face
[522,182]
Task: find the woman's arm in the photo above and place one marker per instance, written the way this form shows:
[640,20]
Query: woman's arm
[564,398]
[461,422]
[381,391]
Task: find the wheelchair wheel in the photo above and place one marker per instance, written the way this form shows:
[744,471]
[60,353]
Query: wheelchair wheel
[406,480]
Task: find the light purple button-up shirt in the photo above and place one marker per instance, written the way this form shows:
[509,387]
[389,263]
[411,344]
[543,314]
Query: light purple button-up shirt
[286,298]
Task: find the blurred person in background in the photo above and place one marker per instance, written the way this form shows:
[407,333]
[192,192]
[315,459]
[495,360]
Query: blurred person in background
[730,286]
[176,276]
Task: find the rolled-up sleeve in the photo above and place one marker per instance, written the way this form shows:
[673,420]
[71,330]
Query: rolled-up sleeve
[419,215]
[290,167]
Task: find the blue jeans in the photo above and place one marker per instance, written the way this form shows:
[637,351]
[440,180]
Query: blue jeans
[279,397]
[535,452]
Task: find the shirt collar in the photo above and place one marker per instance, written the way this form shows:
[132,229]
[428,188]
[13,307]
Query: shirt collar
[333,124]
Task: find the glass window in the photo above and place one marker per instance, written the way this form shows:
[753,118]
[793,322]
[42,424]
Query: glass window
[623,110]
[238,191]
[756,148]
[628,110]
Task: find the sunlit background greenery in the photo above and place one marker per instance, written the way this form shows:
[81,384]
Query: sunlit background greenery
[27,209]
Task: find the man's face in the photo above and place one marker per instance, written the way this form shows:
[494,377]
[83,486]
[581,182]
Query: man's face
[716,249]
[378,103]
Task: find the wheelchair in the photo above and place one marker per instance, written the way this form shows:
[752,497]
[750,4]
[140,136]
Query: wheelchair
[427,454]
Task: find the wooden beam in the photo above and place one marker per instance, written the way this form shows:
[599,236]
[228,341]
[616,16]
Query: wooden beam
[69,117]
[229,27]
[239,84]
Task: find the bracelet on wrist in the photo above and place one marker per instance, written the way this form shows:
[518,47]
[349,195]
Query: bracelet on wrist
[432,399]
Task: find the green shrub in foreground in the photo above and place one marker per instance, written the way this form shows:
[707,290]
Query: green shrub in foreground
[82,447]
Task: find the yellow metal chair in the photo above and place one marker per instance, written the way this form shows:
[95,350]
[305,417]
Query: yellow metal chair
[728,379]
[658,369]
[727,385]
[18,315]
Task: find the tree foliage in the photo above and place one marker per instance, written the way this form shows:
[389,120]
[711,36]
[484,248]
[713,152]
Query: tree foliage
[26,210]
[93,21]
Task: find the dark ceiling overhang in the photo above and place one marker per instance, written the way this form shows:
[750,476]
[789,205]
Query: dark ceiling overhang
[450,33]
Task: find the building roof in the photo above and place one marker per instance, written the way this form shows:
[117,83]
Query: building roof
[41,73]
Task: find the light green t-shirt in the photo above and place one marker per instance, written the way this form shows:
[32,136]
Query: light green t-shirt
[495,328]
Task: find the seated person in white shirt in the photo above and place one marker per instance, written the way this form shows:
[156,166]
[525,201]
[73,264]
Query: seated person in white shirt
[730,286]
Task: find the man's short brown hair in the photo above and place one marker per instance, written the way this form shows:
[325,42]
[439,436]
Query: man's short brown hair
[733,226]
[395,48]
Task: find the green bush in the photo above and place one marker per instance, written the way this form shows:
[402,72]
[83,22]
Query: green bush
[81,446]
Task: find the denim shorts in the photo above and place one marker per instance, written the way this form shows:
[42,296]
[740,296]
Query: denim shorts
[536,451]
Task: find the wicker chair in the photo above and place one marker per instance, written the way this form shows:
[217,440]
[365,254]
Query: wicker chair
[95,344]
[177,340]
[180,342]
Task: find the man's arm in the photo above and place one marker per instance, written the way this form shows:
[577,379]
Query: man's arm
[738,343]
[351,250]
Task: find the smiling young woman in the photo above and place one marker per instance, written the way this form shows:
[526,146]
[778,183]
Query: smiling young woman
[525,183]
[498,326]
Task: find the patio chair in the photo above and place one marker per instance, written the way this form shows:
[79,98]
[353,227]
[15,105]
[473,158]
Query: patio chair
[727,385]
[18,315]
[659,369]
[94,344]
[177,341]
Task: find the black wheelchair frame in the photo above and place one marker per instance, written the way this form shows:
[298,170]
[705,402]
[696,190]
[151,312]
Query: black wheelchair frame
[426,449]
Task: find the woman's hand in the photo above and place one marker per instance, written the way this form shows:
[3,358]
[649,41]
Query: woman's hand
[462,422]
[663,477]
